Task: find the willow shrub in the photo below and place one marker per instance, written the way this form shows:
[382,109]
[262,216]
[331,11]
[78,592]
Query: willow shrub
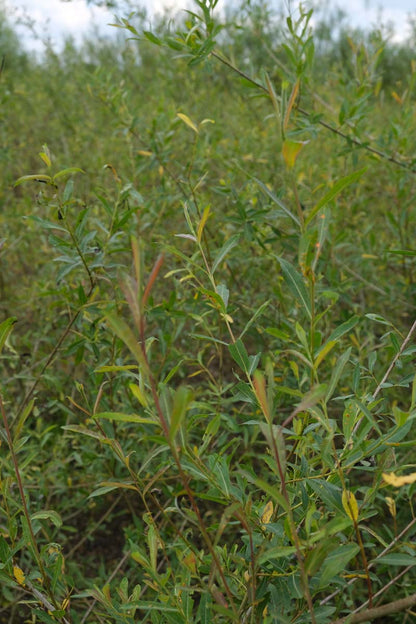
[220,425]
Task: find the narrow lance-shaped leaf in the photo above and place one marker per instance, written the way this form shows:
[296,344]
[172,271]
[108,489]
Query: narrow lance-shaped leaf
[297,285]
[334,191]
[239,354]
[49,514]
[5,329]
[276,200]
[129,418]
[35,177]
[181,401]
[188,122]
[139,394]
[274,100]
[225,249]
[267,513]
[123,331]
[349,502]
[337,372]
[292,100]
[204,219]
[260,389]
[337,562]
[68,171]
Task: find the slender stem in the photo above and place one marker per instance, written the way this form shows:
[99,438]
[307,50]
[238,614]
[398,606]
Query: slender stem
[373,563]
[50,359]
[293,530]
[322,123]
[390,368]
[24,504]
[379,612]
[77,247]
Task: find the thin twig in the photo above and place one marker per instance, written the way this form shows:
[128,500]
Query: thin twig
[322,123]
[396,357]
[49,361]
[388,371]
[379,612]
[383,589]
[373,563]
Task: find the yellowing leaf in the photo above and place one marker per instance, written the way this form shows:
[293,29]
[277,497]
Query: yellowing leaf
[204,219]
[188,122]
[18,575]
[397,97]
[392,479]
[291,102]
[190,562]
[138,394]
[145,153]
[46,156]
[391,504]
[290,151]
[260,390]
[349,502]
[267,513]
[106,592]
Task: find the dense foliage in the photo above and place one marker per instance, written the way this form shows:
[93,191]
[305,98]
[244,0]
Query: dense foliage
[207,297]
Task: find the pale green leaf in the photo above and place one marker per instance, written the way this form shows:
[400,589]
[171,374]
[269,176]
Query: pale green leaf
[296,284]
[334,191]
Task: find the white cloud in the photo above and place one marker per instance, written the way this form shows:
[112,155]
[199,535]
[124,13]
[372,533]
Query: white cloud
[57,19]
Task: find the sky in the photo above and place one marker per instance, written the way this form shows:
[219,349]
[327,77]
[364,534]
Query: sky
[55,18]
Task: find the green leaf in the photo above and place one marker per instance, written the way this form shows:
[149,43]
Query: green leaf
[397,559]
[256,314]
[36,177]
[334,191]
[277,201]
[53,516]
[103,490]
[239,354]
[5,552]
[224,293]
[271,490]
[277,552]
[181,401]
[123,331]
[131,418]
[337,372]
[402,252]
[337,562]
[5,329]
[378,319]
[225,249]
[68,171]
[344,328]
[296,284]
[151,37]
[205,609]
